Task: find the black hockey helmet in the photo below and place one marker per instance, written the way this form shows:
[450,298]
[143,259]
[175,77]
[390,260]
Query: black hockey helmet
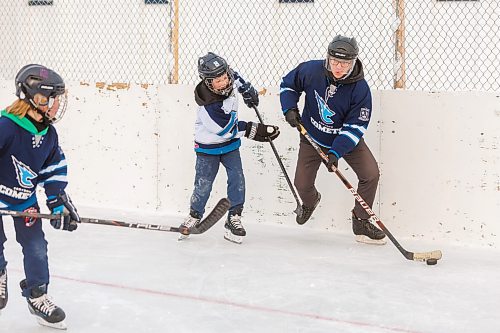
[342,47]
[37,79]
[212,66]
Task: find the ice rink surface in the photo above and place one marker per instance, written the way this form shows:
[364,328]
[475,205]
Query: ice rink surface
[281,279]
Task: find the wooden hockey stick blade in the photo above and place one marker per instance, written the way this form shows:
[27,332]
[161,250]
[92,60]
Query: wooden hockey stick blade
[424,256]
[416,256]
[215,215]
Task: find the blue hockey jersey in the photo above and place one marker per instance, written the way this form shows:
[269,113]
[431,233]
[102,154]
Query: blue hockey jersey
[28,158]
[217,128]
[336,113]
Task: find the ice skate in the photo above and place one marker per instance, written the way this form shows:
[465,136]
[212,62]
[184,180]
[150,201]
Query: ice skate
[367,232]
[41,305]
[234,229]
[305,212]
[4,295]
[189,222]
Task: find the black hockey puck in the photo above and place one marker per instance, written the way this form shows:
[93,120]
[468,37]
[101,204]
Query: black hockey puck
[431,261]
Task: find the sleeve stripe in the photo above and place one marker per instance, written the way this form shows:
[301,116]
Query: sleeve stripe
[361,129]
[51,168]
[351,136]
[282,90]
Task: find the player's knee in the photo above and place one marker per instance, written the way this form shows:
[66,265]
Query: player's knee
[371,177]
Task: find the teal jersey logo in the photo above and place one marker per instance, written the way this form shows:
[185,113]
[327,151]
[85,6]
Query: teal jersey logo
[24,173]
[324,111]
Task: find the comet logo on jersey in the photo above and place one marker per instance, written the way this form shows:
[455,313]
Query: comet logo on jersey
[24,173]
[324,111]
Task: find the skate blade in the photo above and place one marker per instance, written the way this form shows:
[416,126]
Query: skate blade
[60,325]
[367,240]
[233,238]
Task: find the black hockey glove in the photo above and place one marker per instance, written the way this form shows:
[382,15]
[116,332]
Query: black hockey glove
[292,116]
[333,160]
[260,132]
[250,95]
[62,205]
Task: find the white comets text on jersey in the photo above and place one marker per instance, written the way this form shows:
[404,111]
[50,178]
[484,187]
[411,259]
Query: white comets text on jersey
[20,194]
[324,128]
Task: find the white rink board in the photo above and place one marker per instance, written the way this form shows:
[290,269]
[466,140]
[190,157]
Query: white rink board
[131,149]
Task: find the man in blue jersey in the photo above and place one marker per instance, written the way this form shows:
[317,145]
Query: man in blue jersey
[217,139]
[29,156]
[336,114]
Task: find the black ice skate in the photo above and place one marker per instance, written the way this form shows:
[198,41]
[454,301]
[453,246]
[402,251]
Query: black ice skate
[234,229]
[367,232]
[190,221]
[306,212]
[42,306]
[4,295]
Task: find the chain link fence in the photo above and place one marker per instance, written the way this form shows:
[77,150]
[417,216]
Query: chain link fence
[88,40]
[410,44]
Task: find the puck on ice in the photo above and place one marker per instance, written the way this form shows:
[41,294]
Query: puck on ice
[431,261]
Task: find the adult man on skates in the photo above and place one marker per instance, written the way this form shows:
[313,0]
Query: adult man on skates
[336,114]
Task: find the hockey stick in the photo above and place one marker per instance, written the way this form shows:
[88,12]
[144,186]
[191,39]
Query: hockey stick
[417,256]
[299,205]
[215,215]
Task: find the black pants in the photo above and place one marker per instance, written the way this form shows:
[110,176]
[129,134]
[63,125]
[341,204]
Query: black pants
[360,159]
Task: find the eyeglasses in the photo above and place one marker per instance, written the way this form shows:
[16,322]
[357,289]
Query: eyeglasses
[343,63]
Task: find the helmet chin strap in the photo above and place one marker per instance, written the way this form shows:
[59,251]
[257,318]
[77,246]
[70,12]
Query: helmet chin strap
[45,120]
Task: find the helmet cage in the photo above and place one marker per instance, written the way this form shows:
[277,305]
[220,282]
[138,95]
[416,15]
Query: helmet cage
[225,91]
[56,107]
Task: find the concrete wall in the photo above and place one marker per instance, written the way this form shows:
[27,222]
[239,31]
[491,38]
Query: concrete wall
[130,147]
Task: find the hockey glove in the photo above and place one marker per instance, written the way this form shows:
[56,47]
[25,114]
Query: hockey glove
[62,205]
[292,116]
[250,95]
[333,160]
[260,132]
